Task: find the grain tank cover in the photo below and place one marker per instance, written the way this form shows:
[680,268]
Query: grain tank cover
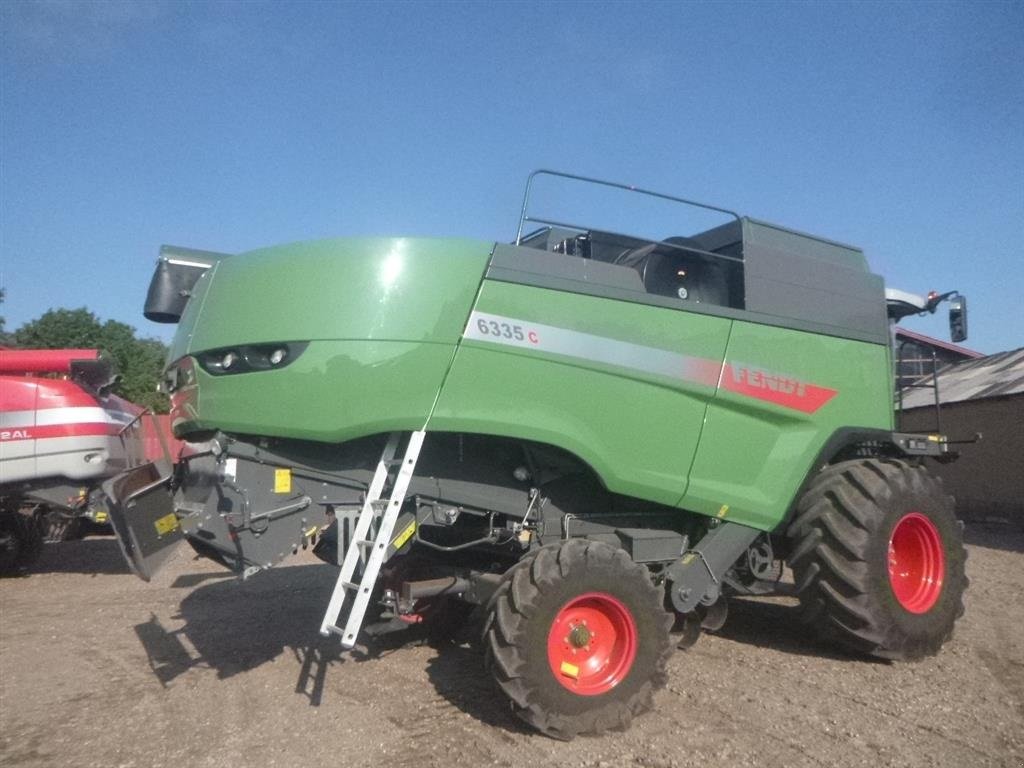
[177,271]
[88,367]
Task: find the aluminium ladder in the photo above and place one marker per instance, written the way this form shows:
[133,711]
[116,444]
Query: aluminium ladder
[378,545]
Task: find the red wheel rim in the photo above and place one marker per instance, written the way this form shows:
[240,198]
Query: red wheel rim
[916,562]
[592,644]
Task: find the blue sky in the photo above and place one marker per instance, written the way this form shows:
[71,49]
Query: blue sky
[896,127]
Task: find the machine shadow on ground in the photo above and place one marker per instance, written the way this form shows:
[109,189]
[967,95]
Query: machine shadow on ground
[1002,536]
[458,675]
[765,623]
[232,626]
[89,557]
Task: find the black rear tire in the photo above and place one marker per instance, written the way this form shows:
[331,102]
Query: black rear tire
[21,542]
[524,627]
[848,564]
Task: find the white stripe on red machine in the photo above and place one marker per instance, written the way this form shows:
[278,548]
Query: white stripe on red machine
[62,422]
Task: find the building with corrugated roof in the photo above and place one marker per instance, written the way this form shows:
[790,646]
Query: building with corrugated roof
[983,395]
[916,354]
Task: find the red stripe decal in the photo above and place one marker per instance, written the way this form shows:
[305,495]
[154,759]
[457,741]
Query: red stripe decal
[773,388]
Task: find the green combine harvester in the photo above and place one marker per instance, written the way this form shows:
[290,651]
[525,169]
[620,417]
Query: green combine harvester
[592,438]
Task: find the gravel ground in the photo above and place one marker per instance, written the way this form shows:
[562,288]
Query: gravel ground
[197,669]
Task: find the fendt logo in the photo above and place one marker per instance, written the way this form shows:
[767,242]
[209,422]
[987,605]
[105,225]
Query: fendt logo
[755,377]
[775,388]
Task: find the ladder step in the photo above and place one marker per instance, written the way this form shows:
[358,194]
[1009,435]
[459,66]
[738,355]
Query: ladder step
[382,515]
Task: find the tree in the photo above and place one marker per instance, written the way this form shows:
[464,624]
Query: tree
[3,333]
[139,361]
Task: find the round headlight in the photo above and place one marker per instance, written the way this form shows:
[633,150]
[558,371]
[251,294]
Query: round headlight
[228,360]
[278,355]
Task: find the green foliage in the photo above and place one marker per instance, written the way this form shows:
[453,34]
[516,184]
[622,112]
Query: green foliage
[139,361]
[3,333]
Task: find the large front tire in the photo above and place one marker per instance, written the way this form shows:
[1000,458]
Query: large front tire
[878,559]
[577,638]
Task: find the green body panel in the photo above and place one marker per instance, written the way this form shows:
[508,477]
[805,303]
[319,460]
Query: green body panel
[382,315]
[380,289]
[359,388]
[677,407]
[638,430]
[754,455]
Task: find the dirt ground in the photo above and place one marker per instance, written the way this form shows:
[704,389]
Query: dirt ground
[98,668]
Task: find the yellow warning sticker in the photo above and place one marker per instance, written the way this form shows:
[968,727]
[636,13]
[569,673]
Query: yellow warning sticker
[723,511]
[569,670]
[282,481]
[400,539]
[100,516]
[166,524]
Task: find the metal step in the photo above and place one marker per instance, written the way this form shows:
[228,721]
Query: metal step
[372,509]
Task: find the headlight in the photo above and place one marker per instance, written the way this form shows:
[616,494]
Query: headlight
[249,358]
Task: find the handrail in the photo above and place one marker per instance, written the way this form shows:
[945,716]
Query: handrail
[139,419]
[915,384]
[677,246]
[627,187]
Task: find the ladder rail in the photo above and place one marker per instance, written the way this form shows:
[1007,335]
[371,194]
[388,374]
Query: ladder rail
[381,541]
[362,527]
[378,551]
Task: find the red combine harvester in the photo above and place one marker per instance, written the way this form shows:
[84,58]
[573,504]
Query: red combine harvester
[62,433]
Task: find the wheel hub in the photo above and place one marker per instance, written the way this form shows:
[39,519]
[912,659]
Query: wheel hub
[579,636]
[592,643]
[917,563]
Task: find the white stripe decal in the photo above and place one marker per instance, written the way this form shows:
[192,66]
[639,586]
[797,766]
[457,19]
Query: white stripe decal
[69,415]
[183,263]
[736,378]
[513,332]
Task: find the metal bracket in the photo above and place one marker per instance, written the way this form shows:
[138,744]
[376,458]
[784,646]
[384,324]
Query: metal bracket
[696,577]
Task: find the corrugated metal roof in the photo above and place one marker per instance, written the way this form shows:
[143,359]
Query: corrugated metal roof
[933,342]
[991,376]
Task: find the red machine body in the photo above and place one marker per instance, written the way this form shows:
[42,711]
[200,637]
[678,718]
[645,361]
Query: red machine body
[61,435]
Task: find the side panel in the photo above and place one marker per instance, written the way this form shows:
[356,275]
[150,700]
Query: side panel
[381,316]
[378,289]
[808,281]
[335,391]
[53,428]
[622,385]
[17,433]
[783,393]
